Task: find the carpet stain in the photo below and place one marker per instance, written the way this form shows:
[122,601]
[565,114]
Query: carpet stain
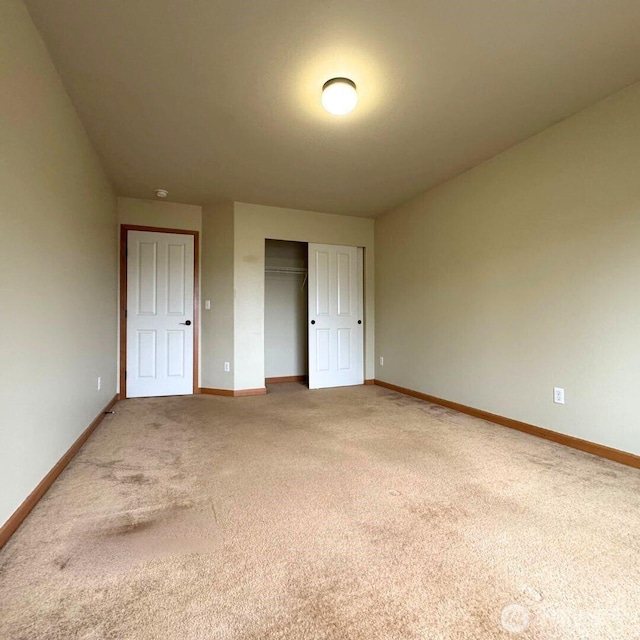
[115,543]
[107,464]
[136,478]
[127,528]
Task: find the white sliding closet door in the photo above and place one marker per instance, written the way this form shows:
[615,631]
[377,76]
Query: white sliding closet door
[336,337]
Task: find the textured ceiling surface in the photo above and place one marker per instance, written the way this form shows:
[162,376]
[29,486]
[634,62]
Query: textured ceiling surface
[219,100]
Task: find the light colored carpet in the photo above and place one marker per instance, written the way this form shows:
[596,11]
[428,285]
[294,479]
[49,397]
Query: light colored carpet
[354,513]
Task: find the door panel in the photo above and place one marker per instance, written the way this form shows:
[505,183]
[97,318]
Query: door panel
[322,278]
[344,349]
[335,337]
[344,268]
[323,341]
[160,281]
[175,354]
[146,354]
[147,274]
[177,279]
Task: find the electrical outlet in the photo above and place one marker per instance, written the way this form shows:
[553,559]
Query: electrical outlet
[381,361]
[227,367]
[558,395]
[99,383]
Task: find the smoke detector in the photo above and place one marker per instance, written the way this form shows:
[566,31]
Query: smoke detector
[162,193]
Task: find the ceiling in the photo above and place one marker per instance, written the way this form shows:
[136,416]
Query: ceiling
[220,99]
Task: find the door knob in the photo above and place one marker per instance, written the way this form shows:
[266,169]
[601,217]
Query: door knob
[188,323]
[313,322]
[359,321]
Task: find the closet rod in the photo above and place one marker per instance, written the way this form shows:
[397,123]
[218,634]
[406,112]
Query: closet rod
[295,270]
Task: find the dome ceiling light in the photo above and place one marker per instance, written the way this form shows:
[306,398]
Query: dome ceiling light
[339,96]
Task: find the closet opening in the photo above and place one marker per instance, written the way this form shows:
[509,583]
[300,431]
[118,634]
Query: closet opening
[285,312]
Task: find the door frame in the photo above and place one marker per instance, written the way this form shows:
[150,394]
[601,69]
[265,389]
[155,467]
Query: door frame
[124,234]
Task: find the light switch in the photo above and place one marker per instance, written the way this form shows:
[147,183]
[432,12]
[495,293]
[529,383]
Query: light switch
[207,304]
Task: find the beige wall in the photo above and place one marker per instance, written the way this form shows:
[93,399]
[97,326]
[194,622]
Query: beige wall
[232,275]
[285,326]
[217,286]
[57,266]
[159,213]
[253,224]
[521,275]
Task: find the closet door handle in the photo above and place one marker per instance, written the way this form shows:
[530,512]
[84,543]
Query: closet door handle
[359,321]
[188,323]
[313,322]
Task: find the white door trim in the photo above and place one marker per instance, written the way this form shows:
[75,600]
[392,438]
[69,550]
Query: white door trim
[124,232]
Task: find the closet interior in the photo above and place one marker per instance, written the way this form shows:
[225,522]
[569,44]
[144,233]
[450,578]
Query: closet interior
[285,311]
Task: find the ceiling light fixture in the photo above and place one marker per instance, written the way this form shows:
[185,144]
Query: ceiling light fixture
[339,96]
[162,193]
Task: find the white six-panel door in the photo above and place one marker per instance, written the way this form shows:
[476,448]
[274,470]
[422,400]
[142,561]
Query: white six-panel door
[160,280]
[335,317]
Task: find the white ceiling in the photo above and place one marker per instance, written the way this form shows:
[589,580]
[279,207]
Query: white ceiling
[220,99]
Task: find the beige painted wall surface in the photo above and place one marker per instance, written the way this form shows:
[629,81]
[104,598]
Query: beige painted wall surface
[521,275]
[159,213]
[58,266]
[285,326]
[253,224]
[217,286]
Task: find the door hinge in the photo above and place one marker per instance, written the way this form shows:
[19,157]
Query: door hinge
[126,313]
